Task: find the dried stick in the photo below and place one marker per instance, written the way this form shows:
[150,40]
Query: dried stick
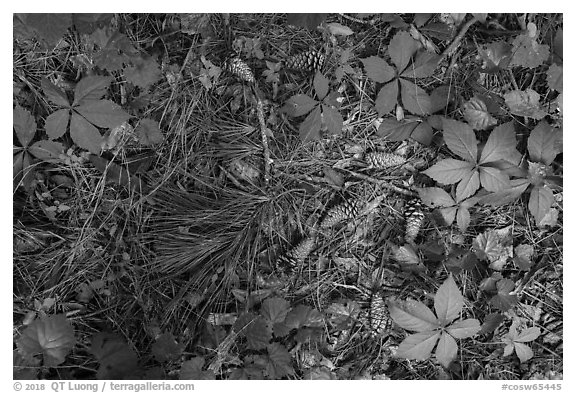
[264,134]
[456,42]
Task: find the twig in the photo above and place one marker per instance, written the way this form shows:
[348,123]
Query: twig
[361,21]
[456,42]
[382,183]
[263,132]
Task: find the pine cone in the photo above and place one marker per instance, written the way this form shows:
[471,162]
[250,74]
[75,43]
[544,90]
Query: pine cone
[381,160]
[238,67]
[378,315]
[298,254]
[308,61]
[414,218]
[342,212]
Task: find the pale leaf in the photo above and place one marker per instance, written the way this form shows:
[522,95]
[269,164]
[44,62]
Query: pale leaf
[463,218]
[449,171]
[54,93]
[448,214]
[339,29]
[46,150]
[448,301]
[413,315]
[401,48]
[527,52]
[103,113]
[542,143]
[468,185]
[525,103]
[476,114]
[446,350]
[387,98]
[24,125]
[523,256]
[555,77]
[508,195]
[464,329]
[332,119]
[500,143]
[493,179]
[321,84]
[377,69]
[528,335]
[414,98]
[524,352]
[418,346]
[541,199]
[460,139]
[435,197]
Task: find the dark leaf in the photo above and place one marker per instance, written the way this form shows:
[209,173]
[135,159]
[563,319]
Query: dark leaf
[24,125]
[87,23]
[54,93]
[117,359]
[420,19]
[378,69]
[166,348]
[476,114]
[424,65]
[503,300]
[460,138]
[57,123]
[526,50]
[258,334]
[401,48]
[308,21]
[192,370]
[491,322]
[275,310]
[332,119]
[299,105]
[310,127]
[279,361]
[321,84]
[440,97]
[414,98]
[395,130]
[90,88]
[423,133]
[103,113]
[387,98]
[149,132]
[51,336]
[143,72]
[50,28]
[46,150]
[117,174]
[495,56]
[85,134]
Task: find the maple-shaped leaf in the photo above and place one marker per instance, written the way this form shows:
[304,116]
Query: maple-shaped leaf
[258,334]
[504,300]
[378,69]
[308,21]
[495,56]
[24,125]
[515,342]
[275,309]
[401,49]
[321,85]
[49,28]
[51,336]
[448,301]
[526,50]
[494,246]
[332,119]
[310,127]
[541,200]
[54,94]
[90,88]
[523,256]
[460,139]
[56,124]
[279,361]
[166,348]
[414,98]
[85,135]
[525,103]
[299,105]
[148,132]
[117,359]
[192,370]
[542,143]
[143,72]
[476,114]
[554,76]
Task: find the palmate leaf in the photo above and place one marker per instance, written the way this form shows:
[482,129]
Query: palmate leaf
[387,98]
[117,359]
[448,301]
[446,350]
[541,199]
[378,69]
[423,133]
[542,143]
[57,123]
[508,195]
[449,171]
[401,48]
[166,348]
[192,370]
[299,105]
[103,113]
[424,65]
[51,336]
[476,114]
[46,150]
[414,98]
[54,94]
[418,346]
[395,130]
[310,127]
[413,315]
[493,179]
[464,329]
[503,300]
[85,135]
[275,309]
[435,197]
[463,218]
[460,139]
[143,72]
[279,361]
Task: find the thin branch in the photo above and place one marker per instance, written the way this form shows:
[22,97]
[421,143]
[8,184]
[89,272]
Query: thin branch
[264,134]
[382,183]
[456,42]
